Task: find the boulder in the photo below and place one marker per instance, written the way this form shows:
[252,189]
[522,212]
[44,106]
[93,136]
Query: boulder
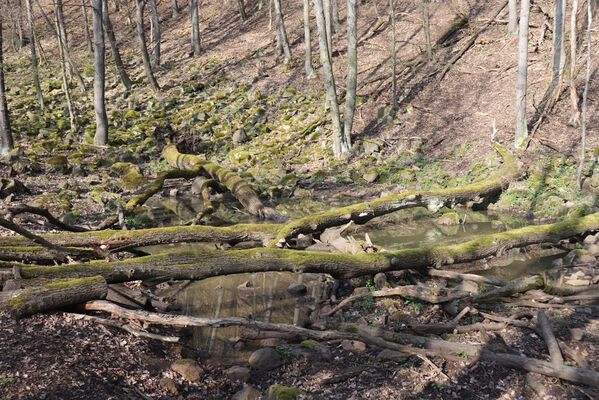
[354,345]
[169,385]
[237,373]
[188,369]
[265,359]
[280,392]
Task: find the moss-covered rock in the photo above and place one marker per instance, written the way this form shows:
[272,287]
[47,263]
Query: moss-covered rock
[280,392]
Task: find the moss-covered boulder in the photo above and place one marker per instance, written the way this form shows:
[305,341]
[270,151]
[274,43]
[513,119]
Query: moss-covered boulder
[280,392]
[58,163]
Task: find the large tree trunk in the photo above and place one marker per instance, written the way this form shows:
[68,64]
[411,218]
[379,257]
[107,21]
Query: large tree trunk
[352,71]
[559,54]
[208,263]
[53,294]
[101,137]
[88,39]
[307,41]
[340,147]
[521,137]
[157,34]
[141,37]
[195,28]
[36,79]
[115,50]
[6,141]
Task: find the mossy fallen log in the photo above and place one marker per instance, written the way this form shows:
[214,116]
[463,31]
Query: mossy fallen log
[238,187]
[433,200]
[54,294]
[42,255]
[207,263]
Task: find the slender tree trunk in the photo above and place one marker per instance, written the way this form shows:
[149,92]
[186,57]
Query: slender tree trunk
[157,34]
[241,5]
[521,136]
[139,20]
[334,16]
[307,41]
[88,40]
[340,148]
[101,137]
[6,142]
[281,32]
[65,82]
[575,117]
[327,21]
[175,8]
[36,79]
[513,17]
[114,48]
[195,28]
[427,29]
[352,72]
[393,57]
[584,95]
[20,24]
[63,33]
[117,5]
[559,55]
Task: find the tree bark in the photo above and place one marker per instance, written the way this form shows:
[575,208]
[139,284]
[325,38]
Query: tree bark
[393,58]
[242,10]
[175,9]
[559,54]
[157,34]
[513,17]
[307,41]
[521,137]
[101,137]
[575,117]
[88,39]
[195,28]
[352,72]
[427,29]
[340,147]
[584,96]
[115,50]
[141,36]
[6,141]
[36,79]
[65,84]
[281,32]
[63,32]
[52,295]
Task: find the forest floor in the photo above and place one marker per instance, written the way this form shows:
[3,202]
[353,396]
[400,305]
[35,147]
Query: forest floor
[440,137]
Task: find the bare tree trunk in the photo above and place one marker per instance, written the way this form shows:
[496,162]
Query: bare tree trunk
[559,55]
[6,142]
[62,31]
[36,79]
[175,8]
[393,57]
[117,5]
[65,81]
[157,34]
[575,117]
[327,21]
[241,5]
[427,29]
[521,137]
[139,20]
[20,24]
[307,41]
[281,33]
[513,17]
[195,28]
[584,95]
[352,72]
[101,137]
[340,148]
[114,48]
[334,16]
[88,39]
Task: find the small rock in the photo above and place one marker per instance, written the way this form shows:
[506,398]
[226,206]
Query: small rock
[280,392]
[380,280]
[371,147]
[270,342]
[360,290]
[188,369]
[265,359]
[247,393]
[354,345]
[371,176]
[239,136]
[577,333]
[169,385]
[590,239]
[592,248]
[238,373]
[388,354]
[297,289]
[468,286]
[303,241]
[78,171]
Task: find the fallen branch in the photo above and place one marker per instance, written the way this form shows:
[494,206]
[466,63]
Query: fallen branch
[23,208]
[545,329]
[465,277]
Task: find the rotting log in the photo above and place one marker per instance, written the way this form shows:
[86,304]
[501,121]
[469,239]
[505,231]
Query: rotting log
[38,254]
[433,200]
[236,185]
[53,295]
[208,263]
[410,344]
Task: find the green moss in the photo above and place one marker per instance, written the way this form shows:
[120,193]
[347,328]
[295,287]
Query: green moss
[133,180]
[68,283]
[183,361]
[280,392]
[309,343]
[57,160]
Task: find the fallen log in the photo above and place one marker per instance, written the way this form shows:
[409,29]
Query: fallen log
[400,342]
[207,263]
[238,187]
[53,295]
[520,286]
[433,200]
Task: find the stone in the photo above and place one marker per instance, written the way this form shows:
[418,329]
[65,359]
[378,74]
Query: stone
[354,345]
[468,286]
[371,147]
[392,355]
[297,289]
[360,290]
[590,239]
[577,333]
[169,385]
[265,359]
[239,136]
[237,373]
[380,280]
[247,393]
[12,187]
[270,342]
[280,392]
[78,171]
[370,177]
[188,369]
[592,248]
